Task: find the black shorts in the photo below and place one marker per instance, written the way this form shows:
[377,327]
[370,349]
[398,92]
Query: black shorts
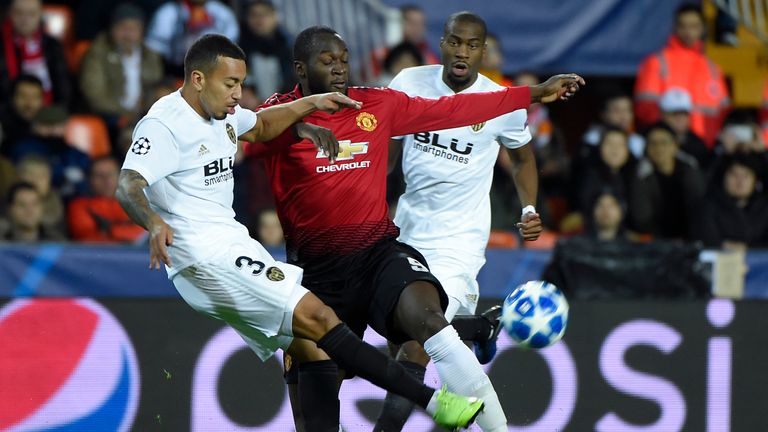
[369,285]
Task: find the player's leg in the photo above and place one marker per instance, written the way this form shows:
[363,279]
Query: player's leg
[415,311]
[314,320]
[396,409]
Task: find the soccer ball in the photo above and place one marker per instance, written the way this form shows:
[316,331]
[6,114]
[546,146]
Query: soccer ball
[535,314]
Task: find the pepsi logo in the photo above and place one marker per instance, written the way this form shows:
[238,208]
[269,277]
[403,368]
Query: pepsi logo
[67,365]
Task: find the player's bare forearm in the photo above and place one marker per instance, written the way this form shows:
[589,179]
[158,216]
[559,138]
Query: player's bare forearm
[130,194]
[524,174]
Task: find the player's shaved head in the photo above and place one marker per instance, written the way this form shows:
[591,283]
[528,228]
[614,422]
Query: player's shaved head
[204,53]
[311,40]
[465,17]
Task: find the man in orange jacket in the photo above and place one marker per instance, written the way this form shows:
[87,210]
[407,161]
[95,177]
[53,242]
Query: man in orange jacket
[682,63]
[99,217]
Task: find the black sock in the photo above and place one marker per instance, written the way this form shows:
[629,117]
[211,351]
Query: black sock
[318,395]
[472,328]
[360,358]
[397,409]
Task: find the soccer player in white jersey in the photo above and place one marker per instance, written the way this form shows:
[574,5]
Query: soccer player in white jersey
[445,210]
[177,183]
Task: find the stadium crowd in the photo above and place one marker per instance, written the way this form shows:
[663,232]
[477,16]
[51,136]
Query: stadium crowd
[669,160]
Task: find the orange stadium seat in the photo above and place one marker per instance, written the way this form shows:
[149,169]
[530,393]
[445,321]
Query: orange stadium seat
[59,22]
[89,134]
[503,240]
[75,54]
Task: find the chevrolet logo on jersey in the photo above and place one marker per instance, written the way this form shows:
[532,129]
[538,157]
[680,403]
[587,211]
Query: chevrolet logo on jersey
[347,150]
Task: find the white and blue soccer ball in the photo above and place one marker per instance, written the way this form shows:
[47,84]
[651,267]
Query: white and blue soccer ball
[535,314]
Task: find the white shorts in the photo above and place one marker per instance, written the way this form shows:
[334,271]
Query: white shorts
[245,287]
[458,277]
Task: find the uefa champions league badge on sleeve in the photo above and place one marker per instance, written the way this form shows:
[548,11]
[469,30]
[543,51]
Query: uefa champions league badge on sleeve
[140,146]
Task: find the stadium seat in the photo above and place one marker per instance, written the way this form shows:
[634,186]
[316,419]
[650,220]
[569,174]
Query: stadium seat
[89,134]
[59,22]
[75,54]
[503,240]
[546,240]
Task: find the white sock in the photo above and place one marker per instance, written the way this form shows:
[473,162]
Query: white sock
[459,369]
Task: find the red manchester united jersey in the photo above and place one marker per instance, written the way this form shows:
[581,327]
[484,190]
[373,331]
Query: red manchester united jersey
[330,209]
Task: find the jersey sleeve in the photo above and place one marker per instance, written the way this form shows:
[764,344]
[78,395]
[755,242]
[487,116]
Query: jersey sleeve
[154,153]
[245,119]
[397,84]
[516,132]
[417,114]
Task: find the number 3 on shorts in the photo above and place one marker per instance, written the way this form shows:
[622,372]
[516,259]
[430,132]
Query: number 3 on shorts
[416,265]
[245,261]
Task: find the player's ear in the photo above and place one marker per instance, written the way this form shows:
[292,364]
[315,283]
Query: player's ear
[197,78]
[300,69]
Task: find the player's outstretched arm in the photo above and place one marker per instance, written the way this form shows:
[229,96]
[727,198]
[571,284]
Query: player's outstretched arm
[273,121]
[557,87]
[130,194]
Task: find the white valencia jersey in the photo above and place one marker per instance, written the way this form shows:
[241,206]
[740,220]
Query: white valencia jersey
[188,162]
[448,173]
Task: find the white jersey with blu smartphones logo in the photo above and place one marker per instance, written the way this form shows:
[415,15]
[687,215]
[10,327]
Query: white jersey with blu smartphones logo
[187,161]
[445,211]
[448,173]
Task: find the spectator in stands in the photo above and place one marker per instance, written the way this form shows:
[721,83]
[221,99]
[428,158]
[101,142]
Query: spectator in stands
[682,63]
[178,23]
[268,50]
[68,164]
[736,215]
[99,217]
[23,221]
[414,32]
[493,60]
[668,188]
[16,118]
[615,111]
[607,217]
[612,167]
[676,109]
[401,56]
[740,135]
[26,49]
[7,177]
[119,69]
[36,171]
[270,230]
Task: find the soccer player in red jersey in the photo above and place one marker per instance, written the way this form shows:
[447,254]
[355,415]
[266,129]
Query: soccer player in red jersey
[335,218]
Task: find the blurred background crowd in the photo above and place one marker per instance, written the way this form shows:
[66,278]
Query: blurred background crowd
[664,153]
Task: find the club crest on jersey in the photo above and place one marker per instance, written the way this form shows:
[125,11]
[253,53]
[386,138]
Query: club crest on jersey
[275,274]
[477,127]
[231,134]
[366,121]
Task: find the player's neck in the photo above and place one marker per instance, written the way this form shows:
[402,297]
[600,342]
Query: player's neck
[191,97]
[459,87]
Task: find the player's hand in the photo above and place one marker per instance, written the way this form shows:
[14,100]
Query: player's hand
[557,87]
[323,139]
[160,237]
[335,102]
[530,226]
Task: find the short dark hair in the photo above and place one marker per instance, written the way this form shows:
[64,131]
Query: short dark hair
[25,79]
[308,40]
[410,7]
[204,53]
[688,8]
[612,96]
[19,187]
[612,129]
[403,48]
[465,17]
[663,126]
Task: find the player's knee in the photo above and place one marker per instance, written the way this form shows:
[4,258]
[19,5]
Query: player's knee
[324,318]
